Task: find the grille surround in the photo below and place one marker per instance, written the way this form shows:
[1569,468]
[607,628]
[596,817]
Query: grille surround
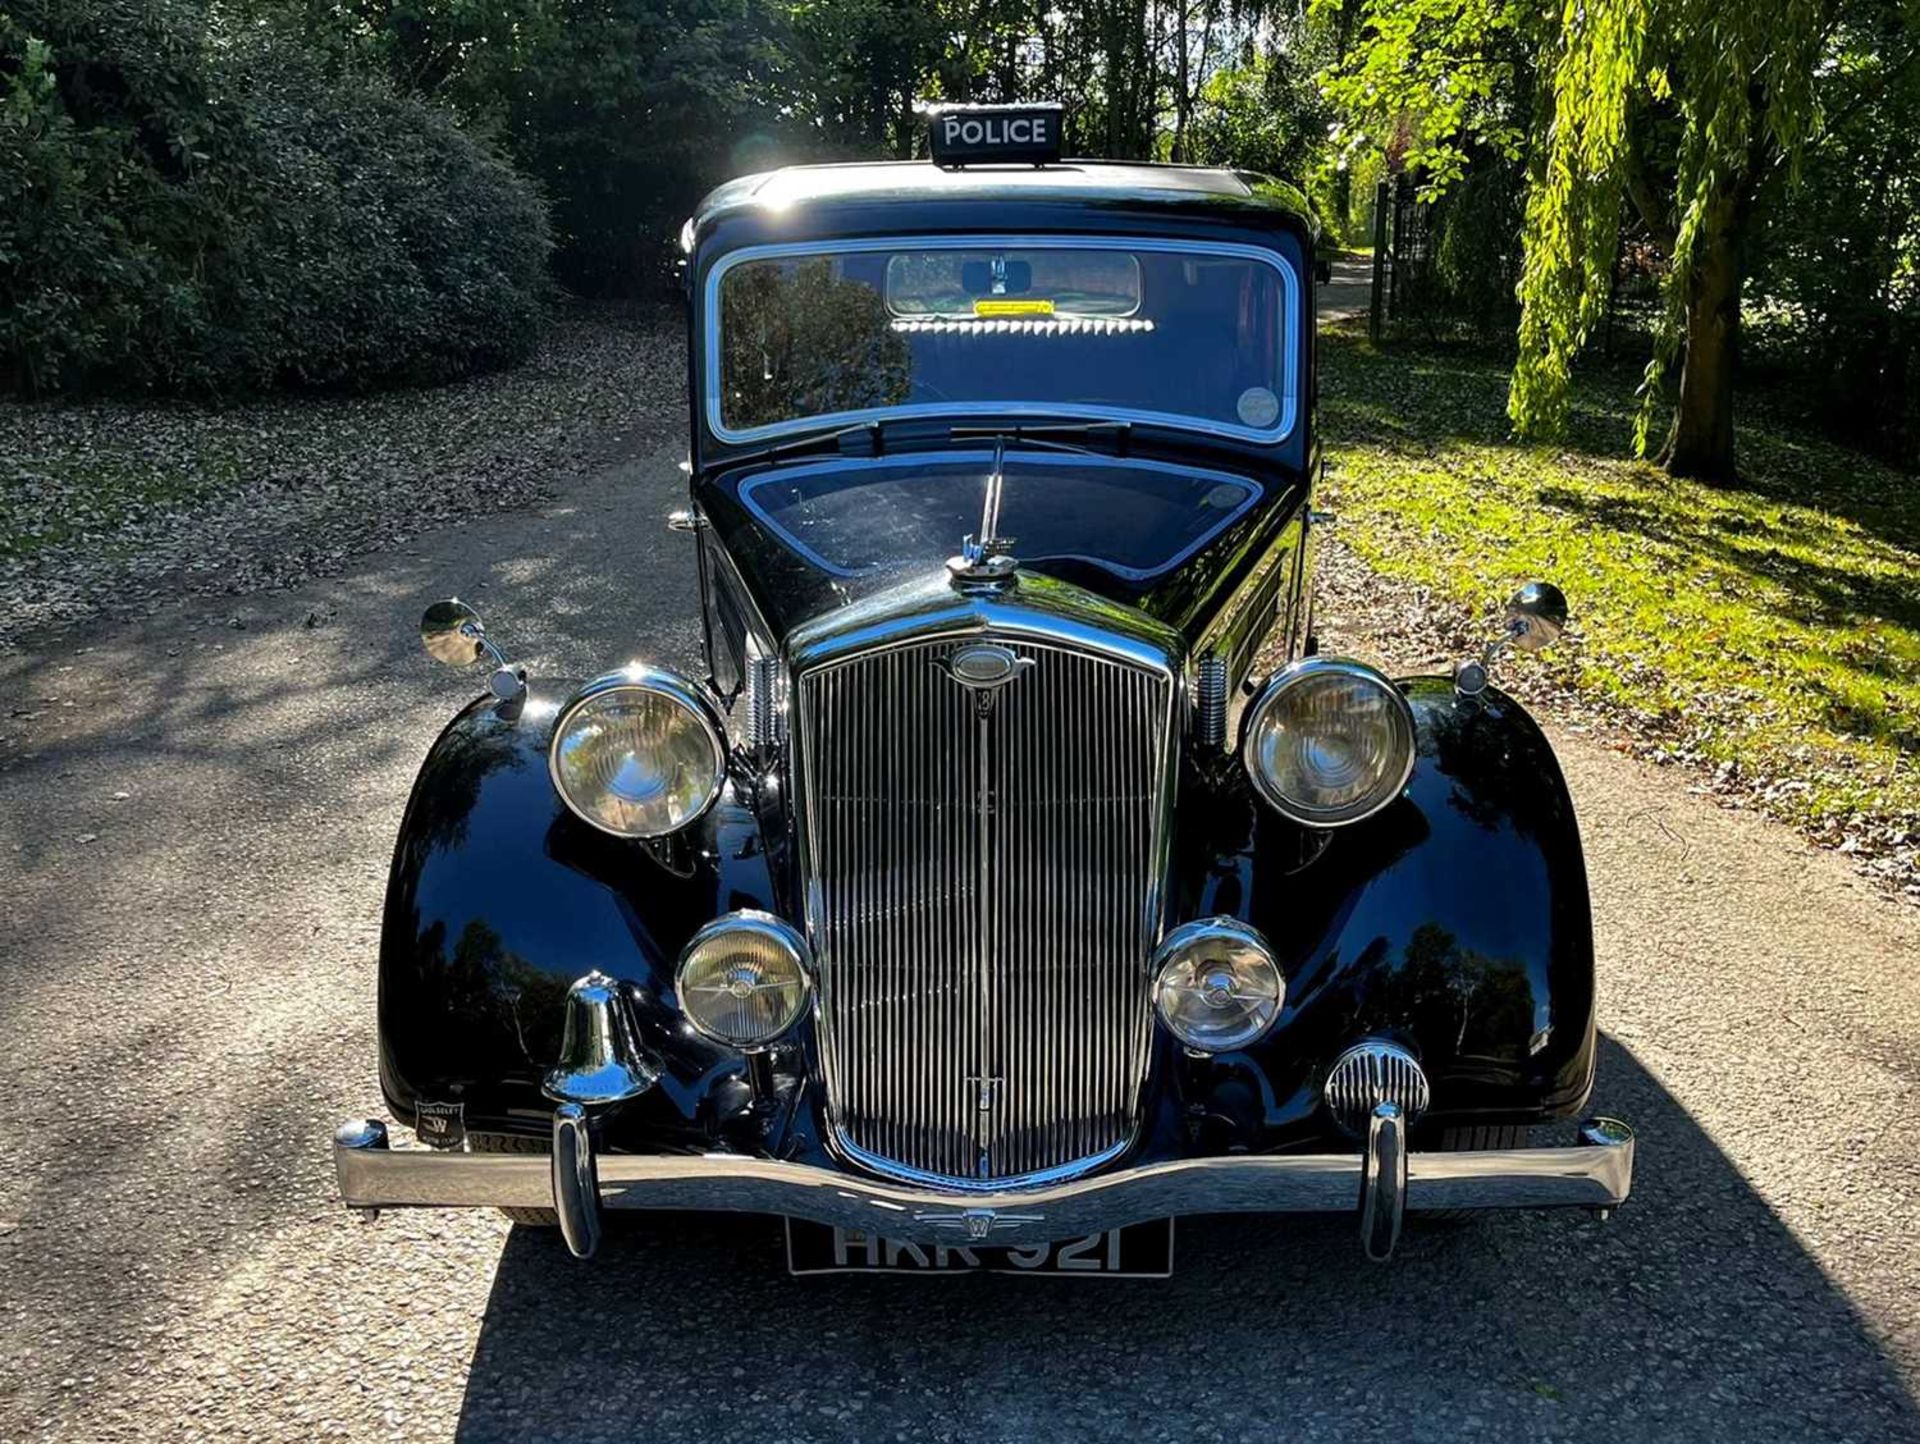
[947,904]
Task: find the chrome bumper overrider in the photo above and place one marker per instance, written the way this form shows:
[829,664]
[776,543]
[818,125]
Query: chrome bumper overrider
[1380,1182]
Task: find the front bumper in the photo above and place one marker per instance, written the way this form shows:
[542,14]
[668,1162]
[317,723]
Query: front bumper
[1380,1182]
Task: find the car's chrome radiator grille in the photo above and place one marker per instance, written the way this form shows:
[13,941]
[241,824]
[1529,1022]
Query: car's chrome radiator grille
[984,871]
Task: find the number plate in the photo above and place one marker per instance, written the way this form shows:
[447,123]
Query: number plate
[1138,1251]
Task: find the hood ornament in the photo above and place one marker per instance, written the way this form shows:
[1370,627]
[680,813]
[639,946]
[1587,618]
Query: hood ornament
[986,562]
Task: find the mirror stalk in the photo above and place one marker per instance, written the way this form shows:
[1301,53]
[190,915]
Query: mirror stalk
[1536,616]
[453,633]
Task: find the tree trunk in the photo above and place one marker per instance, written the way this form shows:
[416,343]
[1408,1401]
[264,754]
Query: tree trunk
[1182,96]
[1700,443]
[907,133]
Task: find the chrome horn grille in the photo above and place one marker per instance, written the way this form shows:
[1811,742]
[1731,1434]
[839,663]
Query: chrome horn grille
[1369,1074]
[984,840]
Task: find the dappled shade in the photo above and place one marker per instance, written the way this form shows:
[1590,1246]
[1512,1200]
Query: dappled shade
[1770,631]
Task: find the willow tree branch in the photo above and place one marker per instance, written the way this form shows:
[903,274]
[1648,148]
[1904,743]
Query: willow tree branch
[1647,201]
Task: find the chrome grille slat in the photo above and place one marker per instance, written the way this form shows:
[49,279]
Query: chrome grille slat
[983,893]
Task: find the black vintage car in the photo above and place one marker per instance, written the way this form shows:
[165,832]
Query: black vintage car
[991,902]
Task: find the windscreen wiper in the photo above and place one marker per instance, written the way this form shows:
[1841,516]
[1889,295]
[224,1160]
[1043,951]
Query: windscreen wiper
[863,440]
[1090,437]
[1097,438]
[874,438]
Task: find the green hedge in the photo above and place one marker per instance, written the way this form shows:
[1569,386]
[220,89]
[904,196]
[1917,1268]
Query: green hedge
[189,201]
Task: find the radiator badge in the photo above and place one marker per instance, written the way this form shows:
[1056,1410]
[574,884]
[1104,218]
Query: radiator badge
[441,1125]
[978,1223]
[985,667]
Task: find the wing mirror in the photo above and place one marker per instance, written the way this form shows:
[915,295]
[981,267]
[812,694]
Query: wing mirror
[453,633]
[1536,616]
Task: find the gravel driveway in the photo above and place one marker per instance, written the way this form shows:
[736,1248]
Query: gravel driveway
[197,817]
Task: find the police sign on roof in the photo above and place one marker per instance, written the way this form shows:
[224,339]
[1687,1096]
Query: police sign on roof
[960,135]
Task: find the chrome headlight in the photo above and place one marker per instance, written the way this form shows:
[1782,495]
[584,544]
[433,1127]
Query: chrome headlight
[1216,985]
[1329,742]
[743,979]
[639,753]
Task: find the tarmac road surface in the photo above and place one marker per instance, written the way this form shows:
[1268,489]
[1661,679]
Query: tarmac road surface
[196,821]
[1348,293]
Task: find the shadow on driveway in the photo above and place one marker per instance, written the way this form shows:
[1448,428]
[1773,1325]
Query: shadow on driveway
[1694,1314]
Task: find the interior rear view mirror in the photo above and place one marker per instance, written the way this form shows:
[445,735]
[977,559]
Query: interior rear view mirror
[1014,278]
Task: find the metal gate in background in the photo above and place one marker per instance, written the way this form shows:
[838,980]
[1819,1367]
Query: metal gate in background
[1402,252]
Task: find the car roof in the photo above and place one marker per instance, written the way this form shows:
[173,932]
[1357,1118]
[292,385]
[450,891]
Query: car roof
[1257,197]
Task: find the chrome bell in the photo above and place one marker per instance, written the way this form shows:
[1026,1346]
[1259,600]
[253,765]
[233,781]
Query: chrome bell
[600,1057]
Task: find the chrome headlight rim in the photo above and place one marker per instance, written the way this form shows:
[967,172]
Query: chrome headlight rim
[767,925]
[1189,938]
[660,681]
[1271,695]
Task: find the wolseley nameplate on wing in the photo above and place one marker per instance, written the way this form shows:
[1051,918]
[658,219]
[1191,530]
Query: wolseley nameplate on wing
[1136,1251]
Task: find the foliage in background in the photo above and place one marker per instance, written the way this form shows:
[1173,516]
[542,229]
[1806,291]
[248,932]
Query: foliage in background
[1444,92]
[1755,156]
[1741,83]
[1477,252]
[1769,632]
[186,200]
[1265,116]
[854,68]
[164,161]
[627,110]
[1836,273]
[624,111]
[1433,82]
[217,194]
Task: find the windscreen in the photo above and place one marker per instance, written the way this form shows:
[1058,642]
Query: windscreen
[1187,334]
[1133,518]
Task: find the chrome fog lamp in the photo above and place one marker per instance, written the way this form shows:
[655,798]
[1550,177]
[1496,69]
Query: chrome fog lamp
[1216,985]
[639,753]
[1329,742]
[744,979]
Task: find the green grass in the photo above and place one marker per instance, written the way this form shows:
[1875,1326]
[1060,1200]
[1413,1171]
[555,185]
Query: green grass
[64,493]
[1773,625]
